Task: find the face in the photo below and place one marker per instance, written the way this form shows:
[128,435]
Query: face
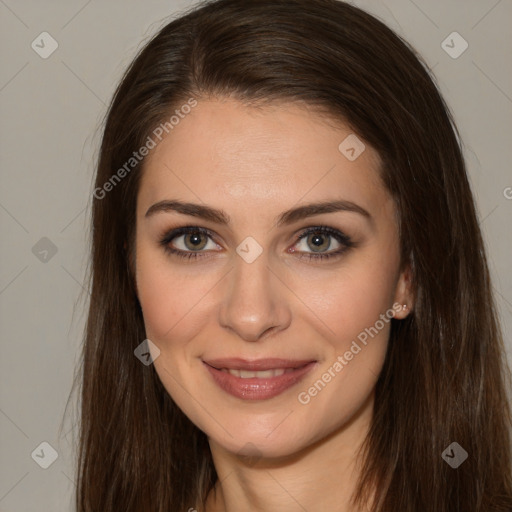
[271,315]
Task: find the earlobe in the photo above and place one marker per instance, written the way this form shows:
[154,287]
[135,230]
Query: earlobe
[403,312]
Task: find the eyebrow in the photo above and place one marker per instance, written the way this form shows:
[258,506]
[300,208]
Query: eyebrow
[288,217]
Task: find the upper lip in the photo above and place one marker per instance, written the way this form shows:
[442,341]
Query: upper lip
[236,363]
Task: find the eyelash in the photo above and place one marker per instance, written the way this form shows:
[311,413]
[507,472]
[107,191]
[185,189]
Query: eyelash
[339,236]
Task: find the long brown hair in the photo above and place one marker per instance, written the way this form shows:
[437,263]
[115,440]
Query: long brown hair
[445,375]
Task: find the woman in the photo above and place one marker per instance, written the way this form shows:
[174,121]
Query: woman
[291,306]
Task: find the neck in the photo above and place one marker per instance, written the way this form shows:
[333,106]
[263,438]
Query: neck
[322,476]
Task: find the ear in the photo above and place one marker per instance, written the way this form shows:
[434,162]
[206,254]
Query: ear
[404,297]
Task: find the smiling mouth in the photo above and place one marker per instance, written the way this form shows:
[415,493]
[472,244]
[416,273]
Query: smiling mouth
[269,363]
[258,379]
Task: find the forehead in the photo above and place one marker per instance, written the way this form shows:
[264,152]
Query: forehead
[249,159]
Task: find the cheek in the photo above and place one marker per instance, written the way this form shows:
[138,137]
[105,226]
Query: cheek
[350,299]
[173,302]
[355,308]
[162,307]
[156,299]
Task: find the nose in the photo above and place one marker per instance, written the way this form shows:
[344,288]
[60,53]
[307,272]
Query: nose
[255,301]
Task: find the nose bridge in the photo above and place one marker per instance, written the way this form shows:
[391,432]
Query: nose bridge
[254,301]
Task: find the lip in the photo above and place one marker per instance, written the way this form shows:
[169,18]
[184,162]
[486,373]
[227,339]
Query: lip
[256,364]
[258,388]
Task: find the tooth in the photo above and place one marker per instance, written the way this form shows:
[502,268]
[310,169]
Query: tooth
[245,374]
[263,374]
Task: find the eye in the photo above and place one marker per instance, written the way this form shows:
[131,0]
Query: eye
[188,242]
[320,240]
[193,241]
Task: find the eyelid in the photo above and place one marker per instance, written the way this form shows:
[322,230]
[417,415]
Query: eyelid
[335,233]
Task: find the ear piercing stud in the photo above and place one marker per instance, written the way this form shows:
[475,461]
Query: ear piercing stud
[404,306]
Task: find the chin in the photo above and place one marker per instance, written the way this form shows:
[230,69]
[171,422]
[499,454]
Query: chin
[277,442]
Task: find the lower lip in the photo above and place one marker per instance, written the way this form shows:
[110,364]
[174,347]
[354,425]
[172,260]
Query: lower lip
[256,388]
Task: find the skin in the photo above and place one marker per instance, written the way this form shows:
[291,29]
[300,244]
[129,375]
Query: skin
[255,163]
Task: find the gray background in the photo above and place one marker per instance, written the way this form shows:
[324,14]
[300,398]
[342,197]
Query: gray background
[50,113]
